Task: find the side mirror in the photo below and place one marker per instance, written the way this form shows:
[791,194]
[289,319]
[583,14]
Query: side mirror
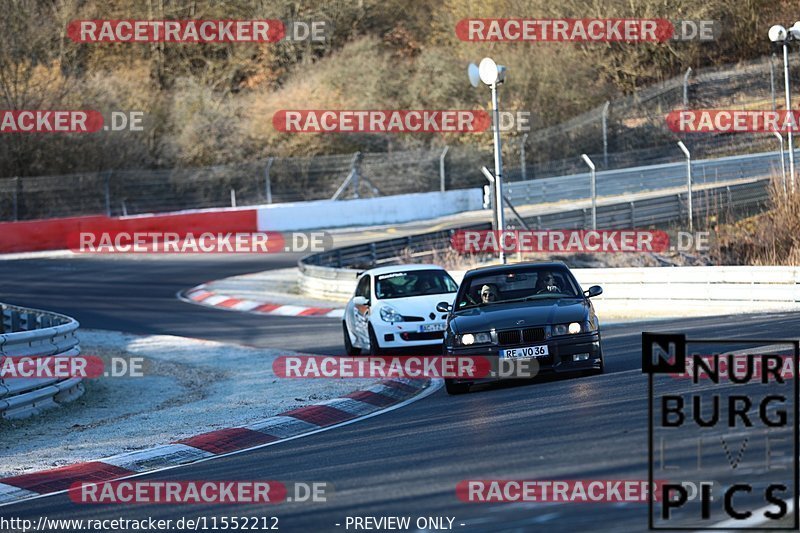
[443,307]
[360,300]
[594,290]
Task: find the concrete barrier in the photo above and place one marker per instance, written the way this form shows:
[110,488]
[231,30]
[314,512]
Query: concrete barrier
[367,211]
[61,233]
[643,292]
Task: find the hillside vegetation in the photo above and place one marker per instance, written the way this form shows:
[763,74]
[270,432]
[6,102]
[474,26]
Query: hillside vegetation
[213,103]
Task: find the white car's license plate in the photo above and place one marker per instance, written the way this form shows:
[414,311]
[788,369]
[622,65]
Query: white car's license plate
[525,352]
[427,328]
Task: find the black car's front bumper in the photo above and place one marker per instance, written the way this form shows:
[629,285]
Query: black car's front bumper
[562,352]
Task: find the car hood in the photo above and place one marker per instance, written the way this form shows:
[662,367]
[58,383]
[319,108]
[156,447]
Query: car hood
[419,305]
[534,313]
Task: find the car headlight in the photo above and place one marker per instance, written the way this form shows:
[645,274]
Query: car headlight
[468,339]
[569,329]
[390,314]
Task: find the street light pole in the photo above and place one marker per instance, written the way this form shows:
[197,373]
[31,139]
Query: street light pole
[783,36]
[591,166]
[789,135]
[688,179]
[498,168]
[492,74]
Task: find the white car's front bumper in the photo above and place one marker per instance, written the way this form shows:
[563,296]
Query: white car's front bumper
[407,334]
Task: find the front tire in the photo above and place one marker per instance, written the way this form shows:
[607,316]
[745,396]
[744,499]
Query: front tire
[455,389]
[348,344]
[602,364]
[374,347]
[598,371]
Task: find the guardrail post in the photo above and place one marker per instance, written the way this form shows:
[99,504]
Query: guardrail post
[17,190]
[267,181]
[633,215]
[523,165]
[107,188]
[605,134]
[688,175]
[373,253]
[355,170]
[686,88]
[591,166]
[442,174]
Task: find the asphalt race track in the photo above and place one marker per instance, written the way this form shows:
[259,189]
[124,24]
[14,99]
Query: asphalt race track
[403,463]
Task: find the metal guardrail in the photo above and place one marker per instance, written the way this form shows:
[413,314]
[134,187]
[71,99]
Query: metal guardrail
[644,178]
[333,273]
[33,333]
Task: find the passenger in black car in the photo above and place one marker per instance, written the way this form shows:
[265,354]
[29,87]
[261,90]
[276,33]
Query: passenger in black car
[488,293]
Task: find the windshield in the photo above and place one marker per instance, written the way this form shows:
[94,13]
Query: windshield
[531,283]
[413,283]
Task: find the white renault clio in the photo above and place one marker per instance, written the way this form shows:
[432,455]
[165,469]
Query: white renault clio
[398,307]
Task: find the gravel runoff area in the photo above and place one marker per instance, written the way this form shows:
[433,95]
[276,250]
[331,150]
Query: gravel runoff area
[190,386]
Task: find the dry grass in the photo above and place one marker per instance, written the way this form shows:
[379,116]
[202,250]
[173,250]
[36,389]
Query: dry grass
[449,259]
[770,238]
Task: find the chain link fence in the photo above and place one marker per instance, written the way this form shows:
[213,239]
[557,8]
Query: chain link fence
[626,132]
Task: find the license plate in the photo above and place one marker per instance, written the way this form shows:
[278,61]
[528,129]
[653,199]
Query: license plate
[427,328]
[525,352]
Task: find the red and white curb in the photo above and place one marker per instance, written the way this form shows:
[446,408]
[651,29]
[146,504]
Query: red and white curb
[203,296]
[383,396]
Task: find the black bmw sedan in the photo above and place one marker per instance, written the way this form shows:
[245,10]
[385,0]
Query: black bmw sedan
[526,312]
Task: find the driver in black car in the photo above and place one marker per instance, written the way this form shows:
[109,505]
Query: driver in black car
[547,283]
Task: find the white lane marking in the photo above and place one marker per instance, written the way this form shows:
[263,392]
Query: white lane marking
[282,426]
[246,305]
[167,452]
[434,386]
[349,405]
[11,492]
[214,300]
[288,310]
